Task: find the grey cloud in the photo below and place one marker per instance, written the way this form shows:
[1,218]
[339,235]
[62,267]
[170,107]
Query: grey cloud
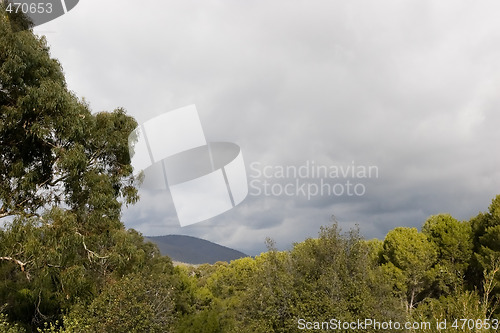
[409,86]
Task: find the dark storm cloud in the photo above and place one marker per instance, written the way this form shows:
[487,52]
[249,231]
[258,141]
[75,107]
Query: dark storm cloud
[411,87]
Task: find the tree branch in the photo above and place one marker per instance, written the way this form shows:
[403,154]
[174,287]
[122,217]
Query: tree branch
[21,264]
[2,215]
[4,212]
[91,253]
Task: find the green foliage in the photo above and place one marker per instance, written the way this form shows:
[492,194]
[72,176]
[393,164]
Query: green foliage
[62,266]
[17,20]
[409,256]
[334,276]
[136,303]
[462,305]
[453,240]
[64,175]
[6,327]
[203,321]
[54,150]
[486,238]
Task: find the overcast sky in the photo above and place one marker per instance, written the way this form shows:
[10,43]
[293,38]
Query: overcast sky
[410,87]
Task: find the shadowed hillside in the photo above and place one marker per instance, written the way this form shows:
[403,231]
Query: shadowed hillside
[194,250]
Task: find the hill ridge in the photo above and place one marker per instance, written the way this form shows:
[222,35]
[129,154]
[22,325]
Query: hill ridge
[194,250]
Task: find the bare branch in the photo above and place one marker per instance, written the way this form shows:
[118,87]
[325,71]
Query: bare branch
[21,265]
[4,212]
[2,215]
[91,253]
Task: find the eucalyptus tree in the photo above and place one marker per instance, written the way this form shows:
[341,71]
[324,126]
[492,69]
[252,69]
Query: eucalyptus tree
[64,175]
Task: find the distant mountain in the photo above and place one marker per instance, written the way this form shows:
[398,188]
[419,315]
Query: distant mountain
[194,250]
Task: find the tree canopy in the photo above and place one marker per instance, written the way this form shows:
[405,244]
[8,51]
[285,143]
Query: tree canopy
[64,176]
[54,150]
